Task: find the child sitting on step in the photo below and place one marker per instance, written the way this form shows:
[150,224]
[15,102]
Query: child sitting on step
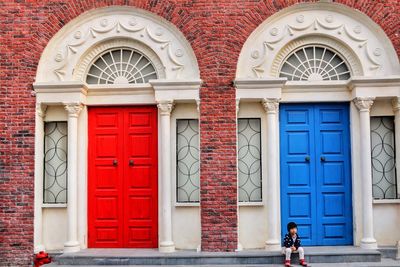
[292,244]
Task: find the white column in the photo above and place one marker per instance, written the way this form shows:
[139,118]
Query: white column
[239,244]
[396,110]
[39,153]
[364,104]
[166,243]
[72,244]
[273,243]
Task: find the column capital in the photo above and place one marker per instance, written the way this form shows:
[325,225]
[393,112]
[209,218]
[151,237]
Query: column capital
[271,105]
[40,110]
[73,109]
[364,103]
[165,107]
[396,104]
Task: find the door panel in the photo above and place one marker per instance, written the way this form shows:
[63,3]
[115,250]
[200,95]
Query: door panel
[297,189]
[333,171]
[105,201]
[315,172]
[140,178]
[122,197]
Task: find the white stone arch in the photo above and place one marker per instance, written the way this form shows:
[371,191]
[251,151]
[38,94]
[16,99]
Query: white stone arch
[341,25]
[81,35]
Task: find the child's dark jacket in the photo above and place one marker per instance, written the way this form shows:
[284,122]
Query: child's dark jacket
[288,241]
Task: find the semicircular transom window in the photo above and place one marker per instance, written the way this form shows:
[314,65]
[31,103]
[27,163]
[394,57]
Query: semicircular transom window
[121,66]
[314,63]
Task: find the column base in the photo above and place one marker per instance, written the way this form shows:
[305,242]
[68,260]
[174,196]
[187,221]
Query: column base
[239,247]
[369,243]
[71,246]
[166,247]
[39,248]
[273,245]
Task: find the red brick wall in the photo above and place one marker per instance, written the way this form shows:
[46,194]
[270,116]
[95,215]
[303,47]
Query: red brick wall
[216,32]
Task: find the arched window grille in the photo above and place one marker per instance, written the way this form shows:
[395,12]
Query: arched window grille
[314,63]
[121,66]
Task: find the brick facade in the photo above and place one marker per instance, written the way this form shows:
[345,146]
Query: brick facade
[216,32]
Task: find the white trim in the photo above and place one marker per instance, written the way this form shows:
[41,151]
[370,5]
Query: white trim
[55,205]
[251,204]
[186,204]
[386,201]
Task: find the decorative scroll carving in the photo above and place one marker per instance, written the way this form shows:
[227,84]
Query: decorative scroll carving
[70,49]
[271,105]
[73,109]
[364,103]
[290,29]
[165,107]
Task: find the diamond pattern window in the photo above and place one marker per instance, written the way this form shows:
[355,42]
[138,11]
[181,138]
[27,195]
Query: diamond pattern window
[384,184]
[314,63]
[121,66]
[249,160]
[55,163]
[187,156]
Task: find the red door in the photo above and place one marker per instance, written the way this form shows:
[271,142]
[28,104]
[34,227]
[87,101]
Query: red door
[122,196]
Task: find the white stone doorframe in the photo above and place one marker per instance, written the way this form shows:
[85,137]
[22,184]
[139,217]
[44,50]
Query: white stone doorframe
[74,96]
[362,91]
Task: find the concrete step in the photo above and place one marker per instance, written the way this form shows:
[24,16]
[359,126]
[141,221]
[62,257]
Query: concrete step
[148,257]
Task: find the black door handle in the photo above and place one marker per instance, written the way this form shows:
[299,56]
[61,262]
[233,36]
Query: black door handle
[307,158]
[323,158]
[131,162]
[115,162]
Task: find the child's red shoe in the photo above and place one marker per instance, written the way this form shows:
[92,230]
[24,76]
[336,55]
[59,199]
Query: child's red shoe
[287,263]
[303,263]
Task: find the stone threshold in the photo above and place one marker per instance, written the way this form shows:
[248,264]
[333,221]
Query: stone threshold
[329,254]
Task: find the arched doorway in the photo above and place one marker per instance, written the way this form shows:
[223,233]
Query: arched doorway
[112,76]
[314,67]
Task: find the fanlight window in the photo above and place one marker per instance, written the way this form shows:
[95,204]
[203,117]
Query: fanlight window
[314,63]
[121,66]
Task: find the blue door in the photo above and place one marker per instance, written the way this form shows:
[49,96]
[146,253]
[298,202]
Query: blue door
[315,172]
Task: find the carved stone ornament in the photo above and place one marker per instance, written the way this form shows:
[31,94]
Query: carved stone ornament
[73,109]
[271,105]
[396,104]
[347,30]
[40,110]
[62,55]
[364,103]
[165,107]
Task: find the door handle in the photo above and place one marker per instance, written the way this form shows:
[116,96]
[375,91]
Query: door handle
[323,158]
[307,158]
[115,162]
[131,162]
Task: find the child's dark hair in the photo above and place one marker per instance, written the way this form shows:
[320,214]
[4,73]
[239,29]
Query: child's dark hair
[291,225]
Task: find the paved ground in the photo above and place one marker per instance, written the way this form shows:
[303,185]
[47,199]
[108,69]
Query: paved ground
[384,263]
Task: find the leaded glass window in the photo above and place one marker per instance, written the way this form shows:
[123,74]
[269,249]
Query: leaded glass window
[249,160]
[121,66]
[187,156]
[314,63]
[55,163]
[384,184]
